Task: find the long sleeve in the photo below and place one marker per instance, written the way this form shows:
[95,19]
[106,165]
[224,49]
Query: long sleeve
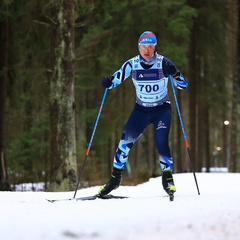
[122,74]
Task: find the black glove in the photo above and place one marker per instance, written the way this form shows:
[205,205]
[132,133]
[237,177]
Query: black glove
[177,75]
[106,82]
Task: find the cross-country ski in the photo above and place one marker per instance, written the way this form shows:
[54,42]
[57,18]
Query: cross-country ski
[87,198]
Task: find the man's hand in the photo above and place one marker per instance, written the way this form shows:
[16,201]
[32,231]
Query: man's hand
[106,82]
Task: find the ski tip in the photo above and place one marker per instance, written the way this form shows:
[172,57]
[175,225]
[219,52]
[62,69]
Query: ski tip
[58,200]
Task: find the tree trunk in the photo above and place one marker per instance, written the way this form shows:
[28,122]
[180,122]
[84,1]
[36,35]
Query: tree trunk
[4,49]
[180,158]
[234,8]
[192,96]
[62,106]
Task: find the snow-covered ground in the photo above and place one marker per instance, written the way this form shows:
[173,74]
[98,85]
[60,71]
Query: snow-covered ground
[146,215]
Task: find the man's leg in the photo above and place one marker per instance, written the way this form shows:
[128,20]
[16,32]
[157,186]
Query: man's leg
[132,131]
[162,125]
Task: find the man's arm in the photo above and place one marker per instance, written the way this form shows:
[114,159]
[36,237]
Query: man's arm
[170,69]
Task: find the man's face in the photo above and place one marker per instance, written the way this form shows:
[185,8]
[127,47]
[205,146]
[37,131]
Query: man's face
[147,51]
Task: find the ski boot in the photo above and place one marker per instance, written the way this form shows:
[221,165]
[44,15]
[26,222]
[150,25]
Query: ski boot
[113,183]
[168,184]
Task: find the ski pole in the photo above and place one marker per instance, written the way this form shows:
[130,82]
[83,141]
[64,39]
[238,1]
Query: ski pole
[91,140]
[183,130]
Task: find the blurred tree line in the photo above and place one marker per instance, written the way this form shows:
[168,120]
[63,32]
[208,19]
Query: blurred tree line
[54,55]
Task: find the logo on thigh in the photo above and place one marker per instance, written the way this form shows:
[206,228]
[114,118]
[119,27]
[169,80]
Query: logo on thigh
[161,124]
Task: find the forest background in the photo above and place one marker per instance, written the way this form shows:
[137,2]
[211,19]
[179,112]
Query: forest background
[54,55]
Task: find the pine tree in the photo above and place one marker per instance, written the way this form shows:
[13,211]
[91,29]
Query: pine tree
[62,105]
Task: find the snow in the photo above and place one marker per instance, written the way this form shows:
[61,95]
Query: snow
[146,215]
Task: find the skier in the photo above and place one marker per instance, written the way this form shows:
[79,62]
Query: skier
[149,71]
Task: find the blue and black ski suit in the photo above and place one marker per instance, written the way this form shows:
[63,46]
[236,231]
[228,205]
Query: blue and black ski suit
[152,105]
